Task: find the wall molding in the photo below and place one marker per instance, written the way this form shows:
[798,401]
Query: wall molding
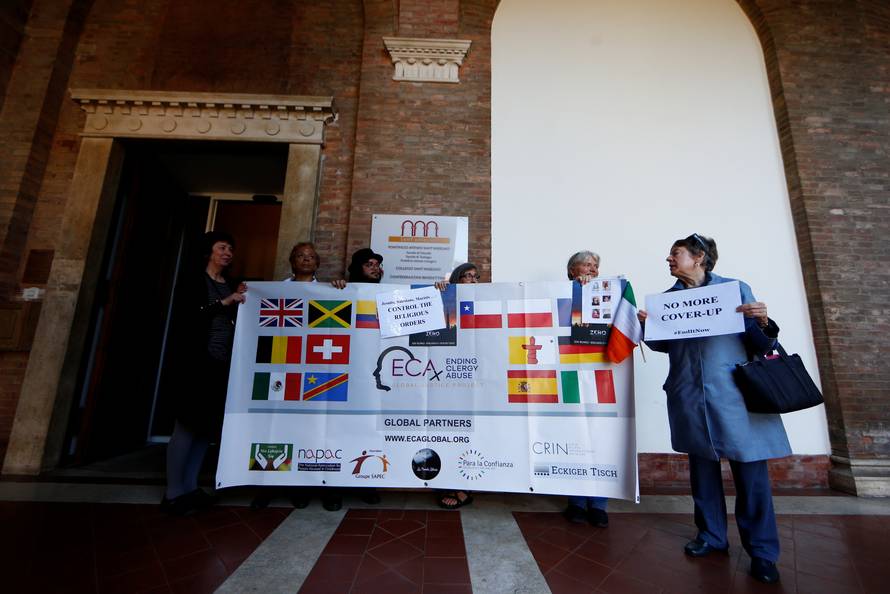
[214,116]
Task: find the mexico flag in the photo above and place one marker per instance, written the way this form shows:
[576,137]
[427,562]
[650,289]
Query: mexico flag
[626,330]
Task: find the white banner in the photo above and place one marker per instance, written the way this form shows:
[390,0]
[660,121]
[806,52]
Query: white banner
[499,400]
[419,248]
[693,313]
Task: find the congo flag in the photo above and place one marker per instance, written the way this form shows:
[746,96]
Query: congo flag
[331,387]
[330,314]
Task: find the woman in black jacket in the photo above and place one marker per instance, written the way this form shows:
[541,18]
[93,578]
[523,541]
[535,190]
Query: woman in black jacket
[210,304]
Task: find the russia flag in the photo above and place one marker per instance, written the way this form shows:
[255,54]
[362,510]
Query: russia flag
[480,314]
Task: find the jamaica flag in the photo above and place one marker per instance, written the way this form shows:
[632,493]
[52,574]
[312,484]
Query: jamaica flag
[330,314]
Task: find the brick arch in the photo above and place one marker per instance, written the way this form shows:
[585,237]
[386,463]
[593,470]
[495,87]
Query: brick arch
[760,23]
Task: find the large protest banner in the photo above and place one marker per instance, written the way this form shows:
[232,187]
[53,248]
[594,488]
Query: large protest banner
[499,400]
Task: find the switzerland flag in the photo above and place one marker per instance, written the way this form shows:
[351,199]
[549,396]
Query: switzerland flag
[327,349]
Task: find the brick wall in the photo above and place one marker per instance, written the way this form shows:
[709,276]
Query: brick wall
[671,471]
[35,91]
[425,147]
[13,16]
[829,67]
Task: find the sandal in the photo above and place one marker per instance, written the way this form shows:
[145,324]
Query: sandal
[467,500]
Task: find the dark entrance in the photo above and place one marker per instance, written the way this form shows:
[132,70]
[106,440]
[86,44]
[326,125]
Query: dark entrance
[170,194]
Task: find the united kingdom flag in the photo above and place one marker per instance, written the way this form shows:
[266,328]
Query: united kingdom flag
[281,313]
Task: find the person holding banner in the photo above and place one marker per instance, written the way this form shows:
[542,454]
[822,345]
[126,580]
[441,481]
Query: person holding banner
[304,262]
[584,266]
[709,421]
[365,267]
[466,273]
[210,304]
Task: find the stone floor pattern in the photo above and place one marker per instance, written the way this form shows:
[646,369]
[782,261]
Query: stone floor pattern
[644,553]
[393,551]
[502,543]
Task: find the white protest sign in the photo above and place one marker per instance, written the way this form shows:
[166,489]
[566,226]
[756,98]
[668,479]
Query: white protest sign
[693,313]
[409,311]
[418,248]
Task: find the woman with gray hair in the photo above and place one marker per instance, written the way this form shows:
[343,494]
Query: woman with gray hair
[584,266]
[709,420]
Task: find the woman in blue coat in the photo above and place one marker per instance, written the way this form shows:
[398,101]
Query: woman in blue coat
[709,420]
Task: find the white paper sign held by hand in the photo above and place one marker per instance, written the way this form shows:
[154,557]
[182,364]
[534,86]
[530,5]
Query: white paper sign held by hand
[694,313]
[409,311]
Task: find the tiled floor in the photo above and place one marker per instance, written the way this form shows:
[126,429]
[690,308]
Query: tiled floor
[393,551]
[644,553]
[110,548]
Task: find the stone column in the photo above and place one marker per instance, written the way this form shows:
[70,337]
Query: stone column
[50,378]
[298,204]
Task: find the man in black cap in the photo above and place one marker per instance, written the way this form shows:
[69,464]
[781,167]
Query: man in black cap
[365,267]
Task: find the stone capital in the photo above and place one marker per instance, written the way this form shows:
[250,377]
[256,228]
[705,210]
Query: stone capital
[427,60]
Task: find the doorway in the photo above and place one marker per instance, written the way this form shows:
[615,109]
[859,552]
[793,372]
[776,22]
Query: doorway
[170,193]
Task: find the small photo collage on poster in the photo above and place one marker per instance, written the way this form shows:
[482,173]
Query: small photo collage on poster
[601,300]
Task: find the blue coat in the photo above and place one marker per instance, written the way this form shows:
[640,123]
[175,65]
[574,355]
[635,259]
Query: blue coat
[706,410]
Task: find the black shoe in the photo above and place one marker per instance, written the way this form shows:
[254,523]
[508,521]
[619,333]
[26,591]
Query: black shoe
[598,517]
[764,571]
[179,506]
[699,548]
[201,499]
[299,501]
[332,503]
[370,496]
[574,514]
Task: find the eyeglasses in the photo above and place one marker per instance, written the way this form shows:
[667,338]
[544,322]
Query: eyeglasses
[470,276]
[697,238]
[372,264]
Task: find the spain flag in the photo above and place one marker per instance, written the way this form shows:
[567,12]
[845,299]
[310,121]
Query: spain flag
[530,386]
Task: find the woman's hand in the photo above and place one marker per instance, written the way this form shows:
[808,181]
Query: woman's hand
[584,278]
[238,296]
[756,310]
[234,298]
[441,285]
[338,284]
[642,315]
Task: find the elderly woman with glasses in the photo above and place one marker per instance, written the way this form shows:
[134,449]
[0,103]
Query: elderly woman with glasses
[709,420]
[583,267]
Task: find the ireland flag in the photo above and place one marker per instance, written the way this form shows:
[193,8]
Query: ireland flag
[626,330]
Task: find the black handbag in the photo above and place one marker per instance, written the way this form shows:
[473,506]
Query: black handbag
[776,383]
